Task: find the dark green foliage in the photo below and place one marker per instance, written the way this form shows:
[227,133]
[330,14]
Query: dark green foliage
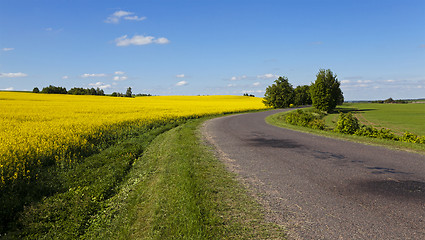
[86,91]
[248,95]
[302,95]
[305,119]
[347,123]
[280,94]
[36,90]
[325,91]
[317,124]
[117,94]
[413,138]
[53,89]
[143,95]
[383,133]
[390,100]
[128,93]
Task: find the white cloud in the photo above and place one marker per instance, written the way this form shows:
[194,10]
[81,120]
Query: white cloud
[49,29]
[364,81]
[162,40]
[345,81]
[252,91]
[182,83]
[235,78]
[8,89]
[65,77]
[7,49]
[267,76]
[86,75]
[13,75]
[100,85]
[231,85]
[139,40]
[390,80]
[180,76]
[119,73]
[120,78]
[134,18]
[256,84]
[118,15]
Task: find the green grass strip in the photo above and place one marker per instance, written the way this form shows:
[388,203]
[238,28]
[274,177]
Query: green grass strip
[180,190]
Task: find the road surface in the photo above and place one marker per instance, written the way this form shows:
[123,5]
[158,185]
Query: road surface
[323,188]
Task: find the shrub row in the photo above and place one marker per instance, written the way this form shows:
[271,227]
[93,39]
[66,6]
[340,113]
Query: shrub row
[348,124]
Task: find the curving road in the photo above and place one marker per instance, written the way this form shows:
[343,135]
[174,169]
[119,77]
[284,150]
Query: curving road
[323,188]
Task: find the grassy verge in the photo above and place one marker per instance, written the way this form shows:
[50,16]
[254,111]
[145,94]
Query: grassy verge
[278,120]
[179,190]
[162,184]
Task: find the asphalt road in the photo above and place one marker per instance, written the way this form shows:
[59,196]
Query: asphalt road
[323,188]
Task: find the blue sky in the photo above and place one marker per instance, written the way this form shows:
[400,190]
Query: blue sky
[214,47]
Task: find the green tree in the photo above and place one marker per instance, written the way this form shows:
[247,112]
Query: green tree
[280,94]
[302,95]
[325,91]
[54,89]
[128,93]
[36,90]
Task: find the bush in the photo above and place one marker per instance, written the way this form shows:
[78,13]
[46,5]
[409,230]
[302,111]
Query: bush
[305,119]
[317,124]
[413,138]
[383,133]
[299,118]
[347,124]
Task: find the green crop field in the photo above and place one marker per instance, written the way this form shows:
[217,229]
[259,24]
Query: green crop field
[397,117]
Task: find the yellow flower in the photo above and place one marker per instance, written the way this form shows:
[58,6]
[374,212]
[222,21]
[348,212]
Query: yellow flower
[36,128]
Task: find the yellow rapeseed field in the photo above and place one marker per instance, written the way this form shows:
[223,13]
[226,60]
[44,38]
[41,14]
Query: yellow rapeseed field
[42,129]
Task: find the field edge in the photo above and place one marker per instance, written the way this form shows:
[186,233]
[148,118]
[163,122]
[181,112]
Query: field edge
[276,120]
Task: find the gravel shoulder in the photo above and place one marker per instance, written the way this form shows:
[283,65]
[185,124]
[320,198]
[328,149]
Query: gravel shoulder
[323,188]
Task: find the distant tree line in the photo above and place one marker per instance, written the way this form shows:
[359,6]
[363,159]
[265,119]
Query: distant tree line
[74,91]
[84,91]
[390,100]
[324,94]
[248,95]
